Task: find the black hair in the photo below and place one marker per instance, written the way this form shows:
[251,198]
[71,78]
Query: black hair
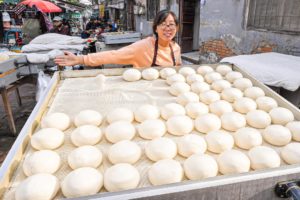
[161,16]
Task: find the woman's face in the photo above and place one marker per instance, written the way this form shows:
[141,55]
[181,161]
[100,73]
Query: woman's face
[167,29]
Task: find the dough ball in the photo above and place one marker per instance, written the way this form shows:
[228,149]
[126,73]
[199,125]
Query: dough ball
[195,109]
[232,76]
[246,138]
[185,71]
[223,69]
[165,72]
[254,92]
[122,176]
[219,141]
[231,94]
[180,125]
[82,182]
[199,87]
[207,122]
[150,74]
[152,128]
[179,87]
[59,121]
[120,114]
[88,117]
[204,69]
[220,85]
[124,152]
[244,105]
[47,138]
[233,121]
[132,75]
[209,96]
[220,107]
[258,119]
[175,78]
[233,161]
[160,148]
[191,144]
[85,156]
[263,157]
[120,130]
[101,78]
[187,97]
[294,127]
[281,116]
[39,186]
[172,109]
[146,112]
[200,166]
[44,161]
[266,103]
[86,135]
[277,135]
[192,78]
[212,76]
[165,172]
[291,153]
[242,83]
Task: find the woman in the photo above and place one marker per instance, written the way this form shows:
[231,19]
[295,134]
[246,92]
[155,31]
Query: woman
[159,50]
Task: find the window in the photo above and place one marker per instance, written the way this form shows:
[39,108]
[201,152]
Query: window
[152,9]
[274,15]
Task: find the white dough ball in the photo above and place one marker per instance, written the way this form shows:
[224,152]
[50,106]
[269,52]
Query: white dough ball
[219,141]
[120,114]
[47,138]
[195,109]
[207,122]
[233,161]
[172,109]
[132,75]
[160,148]
[220,107]
[185,71]
[277,135]
[242,83]
[232,76]
[291,153]
[187,97]
[258,119]
[120,130]
[122,176]
[146,112]
[246,138]
[244,105]
[86,135]
[191,144]
[124,151]
[212,76]
[192,78]
[38,186]
[44,161]
[175,78]
[254,92]
[85,156]
[266,103]
[88,117]
[281,116]
[200,166]
[263,157]
[165,172]
[209,96]
[223,69]
[152,128]
[294,127]
[180,125]
[205,69]
[233,121]
[83,181]
[199,87]
[220,85]
[179,87]
[231,94]
[165,72]
[150,74]
[59,121]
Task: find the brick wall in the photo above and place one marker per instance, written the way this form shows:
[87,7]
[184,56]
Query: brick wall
[218,47]
[264,48]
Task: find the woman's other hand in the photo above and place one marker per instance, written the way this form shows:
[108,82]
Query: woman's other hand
[68,59]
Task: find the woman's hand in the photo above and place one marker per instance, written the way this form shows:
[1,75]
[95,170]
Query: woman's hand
[69,59]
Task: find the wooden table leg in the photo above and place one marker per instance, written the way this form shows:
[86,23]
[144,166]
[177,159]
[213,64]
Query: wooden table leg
[18,96]
[8,110]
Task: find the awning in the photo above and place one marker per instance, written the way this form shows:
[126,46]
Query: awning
[117,4]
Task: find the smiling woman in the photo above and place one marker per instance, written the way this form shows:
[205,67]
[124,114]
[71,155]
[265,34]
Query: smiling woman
[157,50]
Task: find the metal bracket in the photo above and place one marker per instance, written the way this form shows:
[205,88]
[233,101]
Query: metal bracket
[288,189]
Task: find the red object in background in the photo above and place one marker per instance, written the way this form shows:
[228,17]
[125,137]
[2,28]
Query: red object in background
[43,6]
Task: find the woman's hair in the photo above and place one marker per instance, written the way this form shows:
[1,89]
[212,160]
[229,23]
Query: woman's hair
[161,16]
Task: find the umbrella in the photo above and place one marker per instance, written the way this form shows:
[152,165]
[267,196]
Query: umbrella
[43,6]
